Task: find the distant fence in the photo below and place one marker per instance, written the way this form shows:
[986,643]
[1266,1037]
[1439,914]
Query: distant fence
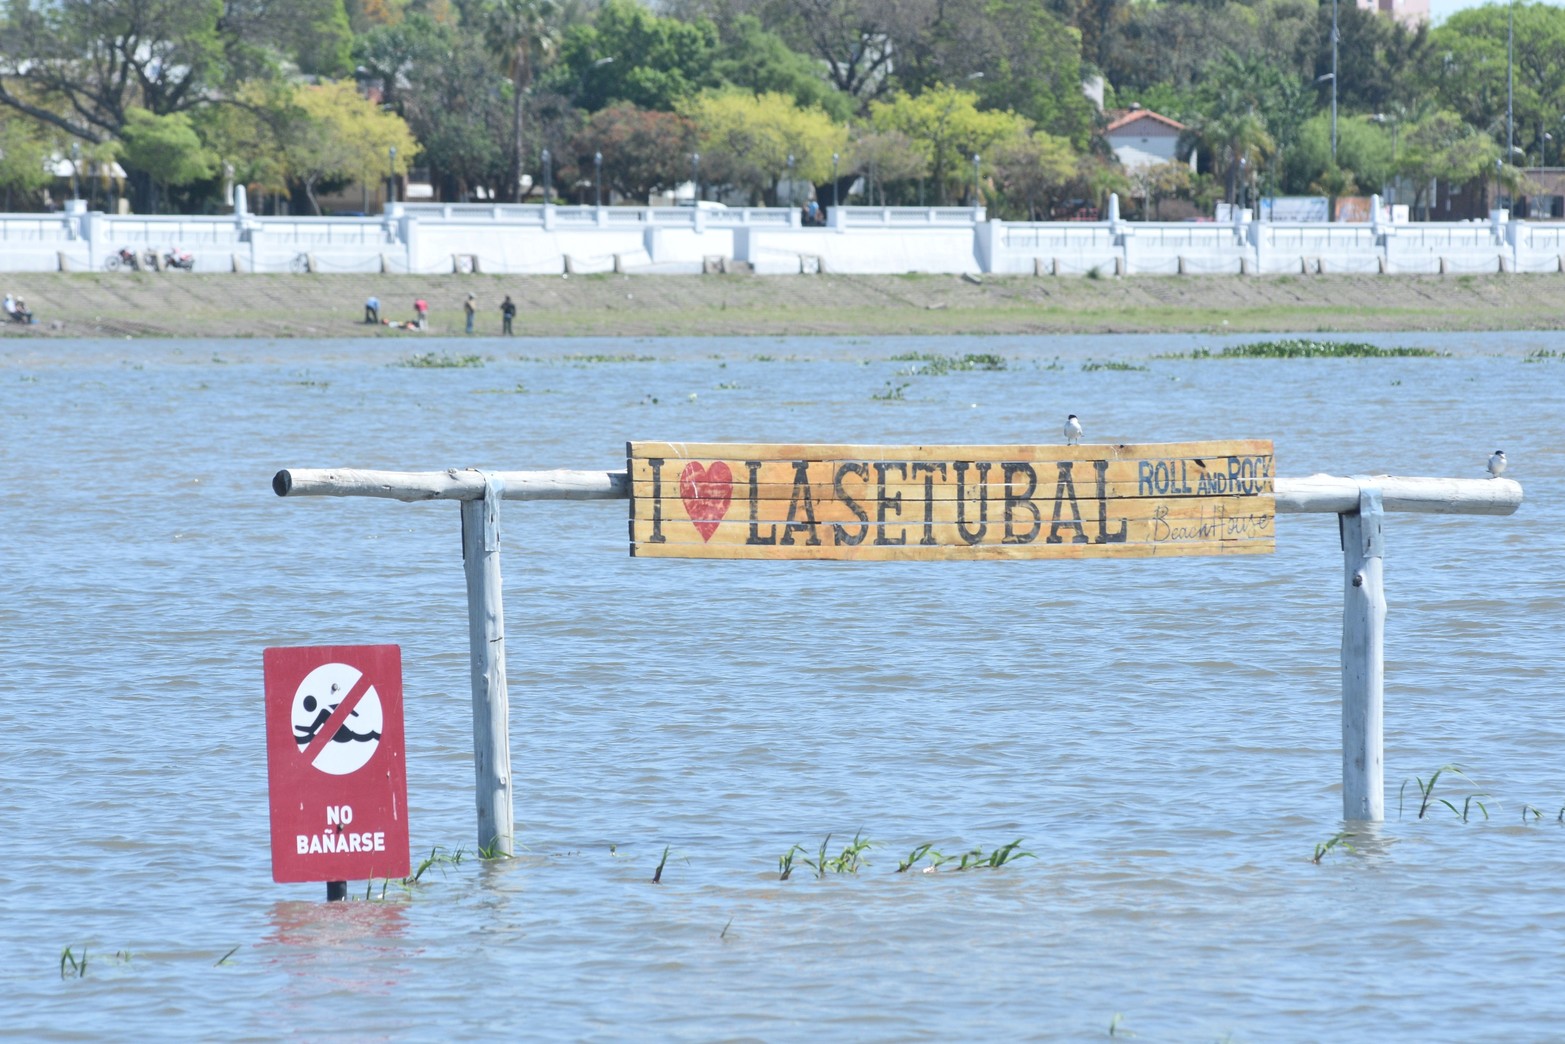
[536,239]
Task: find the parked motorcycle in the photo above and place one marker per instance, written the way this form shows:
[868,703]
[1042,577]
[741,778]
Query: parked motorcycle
[126,258]
[179,259]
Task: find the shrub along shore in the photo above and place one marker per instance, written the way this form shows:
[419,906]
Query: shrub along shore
[197,305]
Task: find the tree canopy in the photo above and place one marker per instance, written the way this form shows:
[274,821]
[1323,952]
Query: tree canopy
[904,92]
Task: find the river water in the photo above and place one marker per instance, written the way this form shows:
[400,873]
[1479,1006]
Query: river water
[1162,735]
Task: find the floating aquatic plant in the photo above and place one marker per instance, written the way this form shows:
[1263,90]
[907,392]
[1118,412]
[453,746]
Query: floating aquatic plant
[442,361]
[935,365]
[1305,348]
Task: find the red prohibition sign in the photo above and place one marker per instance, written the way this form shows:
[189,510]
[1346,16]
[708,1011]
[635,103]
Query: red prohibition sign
[335,763]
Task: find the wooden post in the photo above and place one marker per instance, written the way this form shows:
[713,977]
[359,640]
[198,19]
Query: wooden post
[1359,504]
[486,645]
[1363,660]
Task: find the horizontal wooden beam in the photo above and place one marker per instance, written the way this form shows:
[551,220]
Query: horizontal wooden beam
[452,484]
[1329,494]
[1317,494]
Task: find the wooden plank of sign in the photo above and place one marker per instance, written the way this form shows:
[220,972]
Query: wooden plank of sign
[914,509]
[1044,487]
[942,502]
[1024,454]
[988,552]
[1169,472]
[1024,528]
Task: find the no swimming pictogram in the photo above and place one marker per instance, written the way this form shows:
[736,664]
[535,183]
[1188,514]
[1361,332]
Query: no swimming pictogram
[337,718]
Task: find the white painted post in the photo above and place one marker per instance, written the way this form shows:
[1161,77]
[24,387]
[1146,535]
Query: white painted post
[486,645]
[1363,660]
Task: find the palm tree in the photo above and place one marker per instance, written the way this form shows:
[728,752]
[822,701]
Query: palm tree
[1232,122]
[523,33]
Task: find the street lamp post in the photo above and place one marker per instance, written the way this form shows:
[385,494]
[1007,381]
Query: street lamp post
[790,179]
[695,177]
[597,179]
[834,158]
[76,158]
[977,199]
[391,175]
[1334,38]
[1510,50]
[1389,190]
[548,180]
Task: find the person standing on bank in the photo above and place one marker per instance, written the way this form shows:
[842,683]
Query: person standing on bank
[470,307]
[507,313]
[372,310]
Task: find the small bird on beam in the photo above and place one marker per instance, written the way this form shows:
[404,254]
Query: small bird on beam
[1497,464]
[1073,434]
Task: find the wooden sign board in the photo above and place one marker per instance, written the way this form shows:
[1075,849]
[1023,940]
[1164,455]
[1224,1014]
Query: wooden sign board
[950,502]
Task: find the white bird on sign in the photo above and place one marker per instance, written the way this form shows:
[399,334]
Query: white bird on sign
[1073,431]
[1497,464]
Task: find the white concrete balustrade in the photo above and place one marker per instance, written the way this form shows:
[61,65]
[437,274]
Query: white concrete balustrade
[537,239]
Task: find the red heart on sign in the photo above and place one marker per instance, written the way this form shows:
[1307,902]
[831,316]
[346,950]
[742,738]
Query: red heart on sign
[707,492]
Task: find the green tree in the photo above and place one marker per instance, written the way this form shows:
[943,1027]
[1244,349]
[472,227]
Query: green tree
[458,107]
[1231,120]
[340,136]
[83,65]
[1168,47]
[1029,172]
[629,54]
[1014,54]
[1442,147]
[751,57]
[315,35]
[365,15]
[643,150]
[1363,157]
[1466,66]
[24,159]
[525,33]
[854,40]
[164,150]
[244,137]
[949,129]
[1377,58]
[1156,182]
[746,139]
[390,58]
[887,156]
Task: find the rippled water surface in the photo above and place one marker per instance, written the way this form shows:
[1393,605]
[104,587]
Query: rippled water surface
[1164,735]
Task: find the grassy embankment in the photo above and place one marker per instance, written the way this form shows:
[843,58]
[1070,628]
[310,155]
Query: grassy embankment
[203,305]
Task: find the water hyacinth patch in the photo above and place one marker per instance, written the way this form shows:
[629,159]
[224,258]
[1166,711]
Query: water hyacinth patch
[1303,348]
